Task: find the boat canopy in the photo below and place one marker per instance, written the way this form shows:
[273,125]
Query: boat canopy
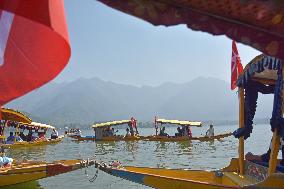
[177,122]
[263,74]
[21,125]
[262,69]
[41,125]
[13,115]
[111,123]
[258,24]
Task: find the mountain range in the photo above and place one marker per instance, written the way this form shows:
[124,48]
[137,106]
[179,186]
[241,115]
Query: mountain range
[85,101]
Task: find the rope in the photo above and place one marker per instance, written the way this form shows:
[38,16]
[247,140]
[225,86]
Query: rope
[94,177]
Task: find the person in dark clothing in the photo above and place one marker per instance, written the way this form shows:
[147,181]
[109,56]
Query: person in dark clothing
[179,132]
[29,137]
[23,136]
[266,156]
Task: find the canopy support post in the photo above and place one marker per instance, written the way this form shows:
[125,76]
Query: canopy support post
[275,141]
[274,152]
[241,125]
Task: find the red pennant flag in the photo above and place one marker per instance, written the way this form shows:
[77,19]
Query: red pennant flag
[236,66]
[34,45]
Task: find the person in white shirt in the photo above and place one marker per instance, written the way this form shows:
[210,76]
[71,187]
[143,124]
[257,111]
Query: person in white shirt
[210,131]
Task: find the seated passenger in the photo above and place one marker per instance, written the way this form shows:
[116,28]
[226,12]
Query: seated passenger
[41,136]
[54,134]
[10,139]
[110,132]
[188,131]
[162,132]
[5,162]
[18,138]
[266,156]
[29,136]
[34,138]
[113,132]
[23,136]
[179,132]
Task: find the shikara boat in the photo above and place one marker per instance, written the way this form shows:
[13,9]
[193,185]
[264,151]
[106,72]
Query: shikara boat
[34,170]
[263,74]
[186,137]
[104,132]
[19,121]
[73,132]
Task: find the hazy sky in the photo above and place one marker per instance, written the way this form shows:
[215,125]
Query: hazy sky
[114,46]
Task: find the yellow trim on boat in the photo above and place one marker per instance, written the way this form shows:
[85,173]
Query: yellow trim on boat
[13,115]
[111,123]
[177,122]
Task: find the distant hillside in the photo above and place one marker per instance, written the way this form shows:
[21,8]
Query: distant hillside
[87,100]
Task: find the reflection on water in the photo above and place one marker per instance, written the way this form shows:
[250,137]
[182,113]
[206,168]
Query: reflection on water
[30,153]
[185,155]
[33,185]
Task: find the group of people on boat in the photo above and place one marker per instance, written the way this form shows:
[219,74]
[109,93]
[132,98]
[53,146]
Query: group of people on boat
[132,128]
[108,132]
[73,131]
[185,131]
[30,137]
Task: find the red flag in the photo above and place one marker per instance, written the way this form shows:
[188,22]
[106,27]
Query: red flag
[34,45]
[236,66]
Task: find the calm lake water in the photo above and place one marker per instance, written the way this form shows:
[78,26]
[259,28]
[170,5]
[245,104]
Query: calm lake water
[183,155]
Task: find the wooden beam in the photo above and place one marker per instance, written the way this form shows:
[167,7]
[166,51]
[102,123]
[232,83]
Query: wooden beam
[274,152]
[275,141]
[241,125]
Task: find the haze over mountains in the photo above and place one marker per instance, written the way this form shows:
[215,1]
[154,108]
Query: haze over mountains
[87,100]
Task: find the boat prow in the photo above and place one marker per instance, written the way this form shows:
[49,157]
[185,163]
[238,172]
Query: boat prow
[197,179]
[34,170]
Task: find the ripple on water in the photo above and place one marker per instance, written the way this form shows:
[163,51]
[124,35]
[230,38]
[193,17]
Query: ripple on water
[183,155]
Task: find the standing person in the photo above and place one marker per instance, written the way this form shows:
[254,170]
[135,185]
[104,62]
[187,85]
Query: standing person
[131,128]
[127,132]
[210,131]
[135,126]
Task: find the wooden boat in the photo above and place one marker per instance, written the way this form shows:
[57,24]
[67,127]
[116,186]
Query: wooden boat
[186,138]
[14,115]
[263,74]
[34,143]
[186,127]
[226,178]
[34,170]
[73,132]
[101,130]
[18,120]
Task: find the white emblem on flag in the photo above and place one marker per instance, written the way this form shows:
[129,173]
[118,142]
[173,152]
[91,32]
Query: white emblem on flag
[6,21]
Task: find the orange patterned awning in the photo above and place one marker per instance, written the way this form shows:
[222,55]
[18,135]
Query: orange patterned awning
[13,115]
[256,23]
